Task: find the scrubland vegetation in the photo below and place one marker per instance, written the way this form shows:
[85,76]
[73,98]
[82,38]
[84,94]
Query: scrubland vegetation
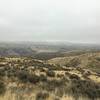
[24,78]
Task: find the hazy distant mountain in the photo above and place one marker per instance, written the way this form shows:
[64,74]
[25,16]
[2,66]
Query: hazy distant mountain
[43,49]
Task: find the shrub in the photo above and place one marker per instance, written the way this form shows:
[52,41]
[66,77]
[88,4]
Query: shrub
[56,98]
[73,63]
[74,76]
[85,88]
[2,72]
[22,75]
[43,78]
[60,75]
[97,58]
[67,73]
[42,96]
[51,73]
[33,79]
[51,85]
[94,65]
[2,88]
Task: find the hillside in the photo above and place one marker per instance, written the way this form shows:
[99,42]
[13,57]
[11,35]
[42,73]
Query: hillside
[87,60]
[45,50]
[24,78]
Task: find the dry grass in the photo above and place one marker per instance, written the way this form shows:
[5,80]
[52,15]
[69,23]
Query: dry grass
[36,80]
[11,96]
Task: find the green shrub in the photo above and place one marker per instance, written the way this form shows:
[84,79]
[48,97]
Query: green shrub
[42,96]
[2,88]
[74,76]
[60,75]
[23,76]
[73,63]
[33,79]
[97,58]
[51,85]
[43,78]
[2,72]
[94,65]
[85,88]
[51,73]
[56,98]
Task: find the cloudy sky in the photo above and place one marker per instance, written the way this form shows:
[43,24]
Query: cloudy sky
[30,20]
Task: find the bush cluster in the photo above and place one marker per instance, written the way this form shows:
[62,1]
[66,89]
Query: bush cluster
[42,96]
[2,88]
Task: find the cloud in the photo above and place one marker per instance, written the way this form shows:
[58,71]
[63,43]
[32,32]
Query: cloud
[72,20]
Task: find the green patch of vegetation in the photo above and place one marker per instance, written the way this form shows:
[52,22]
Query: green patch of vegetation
[33,79]
[94,65]
[97,58]
[24,76]
[2,88]
[42,96]
[73,63]
[85,88]
[43,78]
[50,73]
[2,72]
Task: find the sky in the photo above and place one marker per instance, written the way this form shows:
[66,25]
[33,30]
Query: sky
[41,20]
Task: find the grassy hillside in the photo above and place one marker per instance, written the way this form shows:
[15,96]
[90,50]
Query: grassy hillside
[88,60]
[23,78]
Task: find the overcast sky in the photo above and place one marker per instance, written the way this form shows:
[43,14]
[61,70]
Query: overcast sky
[30,20]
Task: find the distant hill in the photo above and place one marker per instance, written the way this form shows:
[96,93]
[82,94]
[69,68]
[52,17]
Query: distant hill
[45,50]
